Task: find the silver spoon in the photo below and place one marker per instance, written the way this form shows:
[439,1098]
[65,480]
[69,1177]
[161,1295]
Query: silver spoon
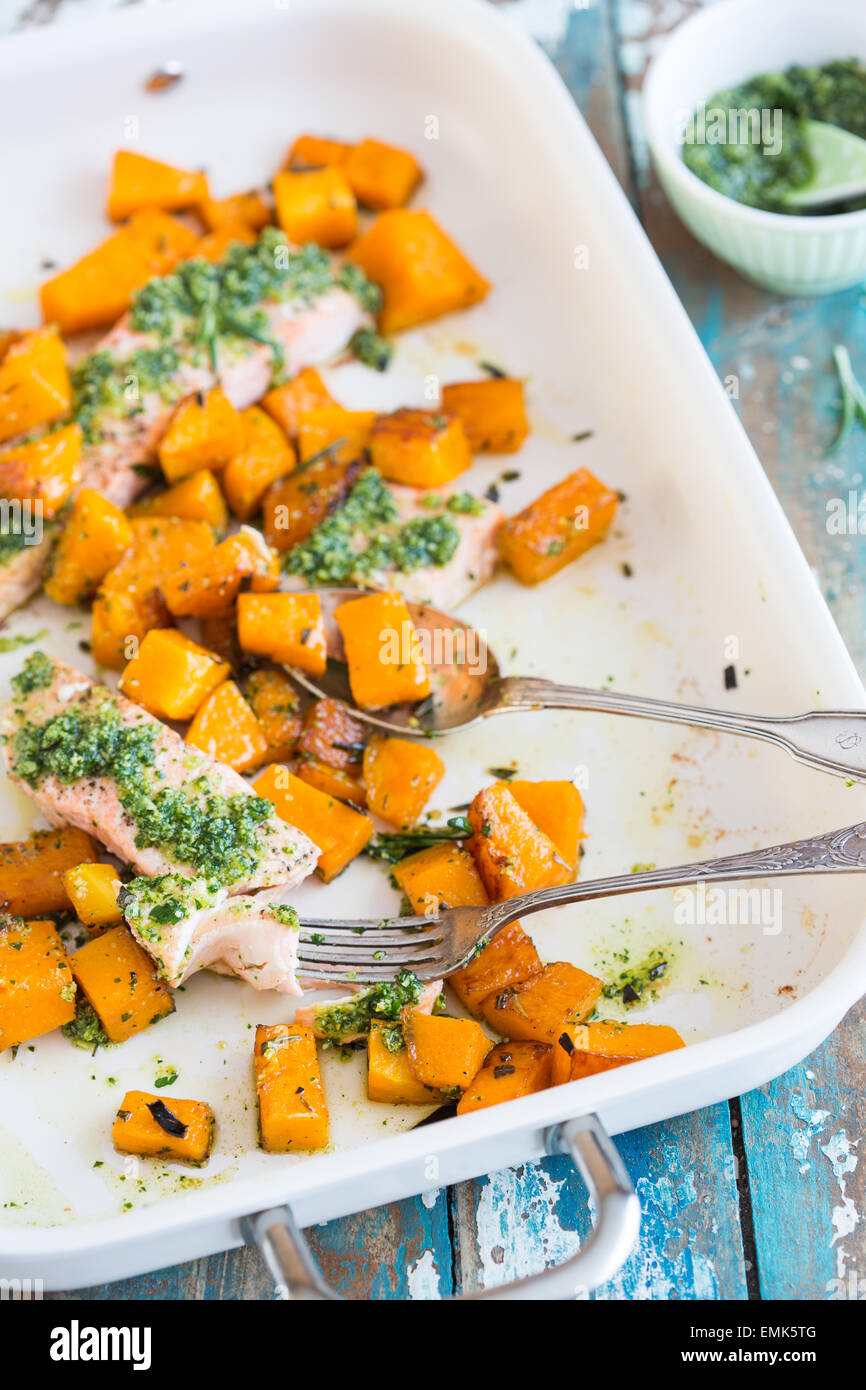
[468,686]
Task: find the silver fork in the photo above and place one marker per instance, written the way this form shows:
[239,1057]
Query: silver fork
[370,951]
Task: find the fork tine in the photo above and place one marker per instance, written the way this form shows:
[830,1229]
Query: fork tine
[338,929]
[366,975]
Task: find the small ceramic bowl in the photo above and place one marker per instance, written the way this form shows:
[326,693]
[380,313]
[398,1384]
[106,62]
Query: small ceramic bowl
[721,47]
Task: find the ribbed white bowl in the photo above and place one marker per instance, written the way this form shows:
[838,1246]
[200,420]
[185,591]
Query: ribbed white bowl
[718,48]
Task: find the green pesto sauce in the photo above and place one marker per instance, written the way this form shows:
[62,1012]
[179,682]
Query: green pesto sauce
[85,1030]
[365,535]
[217,836]
[748,141]
[371,348]
[638,982]
[36,673]
[338,1022]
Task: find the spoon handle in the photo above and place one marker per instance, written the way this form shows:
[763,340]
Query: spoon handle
[830,740]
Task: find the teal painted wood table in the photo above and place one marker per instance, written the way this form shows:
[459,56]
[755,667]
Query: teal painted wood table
[761,1197]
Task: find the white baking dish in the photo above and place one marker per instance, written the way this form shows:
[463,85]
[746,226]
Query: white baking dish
[582,308]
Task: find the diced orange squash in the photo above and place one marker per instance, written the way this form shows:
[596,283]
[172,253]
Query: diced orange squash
[287,403]
[401,776]
[604,1045]
[541,1007]
[37,991]
[288,628]
[512,854]
[225,727]
[164,1127]
[316,205]
[509,959]
[558,527]
[94,537]
[333,735]
[205,431]
[97,289]
[31,871]
[129,602]
[171,676]
[381,176]
[332,781]
[44,470]
[240,209]
[419,447]
[197,497]
[34,382]
[371,626]
[315,151]
[121,984]
[214,245]
[292,1110]
[344,433]
[510,1070]
[444,1053]
[92,890]
[209,584]
[338,831]
[277,706]
[423,274]
[390,1079]
[294,507]
[493,413]
[440,876]
[266,456]
[557,810]
[139,182]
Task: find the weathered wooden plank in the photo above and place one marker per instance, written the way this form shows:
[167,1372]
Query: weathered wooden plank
[393,1252]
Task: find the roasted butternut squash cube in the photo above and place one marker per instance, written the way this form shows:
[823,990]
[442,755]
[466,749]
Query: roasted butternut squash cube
[97,289]
[95,536]
[509,959]
[332,781]
[419,447]
[34,382]
[558,527]
[444,1053]
[293,1113]
[44,470]
[345,434]
[381,176]
[333,735]
[390,1078]
[510,1070]
[441,876]
[288,628]
[139,182]
[557,810]
[92,890]
[423,274]
[205,431]
[32,870]
[171,676]
[512,854]
[383,651]
[266,456]
[315,151]
[295,506]
[208,585]
[277,706]
[287,403]
[541,1007]
[121,984]
[604,1045]
[338,831]
[240,209]
[316,205]
[37,991]
[225,727]
[214,245]
[166,1127]
[492,413]
[401,776]
[197,497]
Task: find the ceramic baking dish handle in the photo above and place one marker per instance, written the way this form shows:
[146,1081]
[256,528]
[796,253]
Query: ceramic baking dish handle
[288,1258]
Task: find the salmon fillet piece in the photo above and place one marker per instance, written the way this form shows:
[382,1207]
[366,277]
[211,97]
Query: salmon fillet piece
[171,810]
[251,936]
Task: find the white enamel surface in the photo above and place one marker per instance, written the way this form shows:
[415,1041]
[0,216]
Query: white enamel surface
[515,177]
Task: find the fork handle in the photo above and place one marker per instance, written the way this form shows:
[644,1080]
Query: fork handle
[829,740]
[839,851]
